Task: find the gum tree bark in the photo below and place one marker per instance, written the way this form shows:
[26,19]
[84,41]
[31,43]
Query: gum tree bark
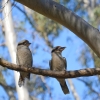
[67,18]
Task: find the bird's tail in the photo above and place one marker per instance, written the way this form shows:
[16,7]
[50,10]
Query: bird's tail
[64,87]
[21,81]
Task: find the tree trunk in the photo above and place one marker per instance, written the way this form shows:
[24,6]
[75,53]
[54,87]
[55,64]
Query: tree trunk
[10,38]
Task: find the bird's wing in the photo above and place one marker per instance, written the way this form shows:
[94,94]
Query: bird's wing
[65,62]
[17,59]
[31,58]
[31,62]
[50,64]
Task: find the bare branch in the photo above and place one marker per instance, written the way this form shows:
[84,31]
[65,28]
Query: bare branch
[87,84]
[2,44]
[7,87]
[48,88]
[25,15]
[9,90]
[44,72]
[75,94]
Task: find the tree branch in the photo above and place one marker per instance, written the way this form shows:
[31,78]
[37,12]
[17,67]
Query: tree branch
[29,20]
[73,90]
[9,90]
[89,85]
[67,18]
[44,72]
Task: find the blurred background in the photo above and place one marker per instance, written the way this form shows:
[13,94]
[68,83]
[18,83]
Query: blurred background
[17,22]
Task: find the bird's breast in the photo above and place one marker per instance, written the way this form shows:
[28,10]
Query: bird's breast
[57,63]
[24,57]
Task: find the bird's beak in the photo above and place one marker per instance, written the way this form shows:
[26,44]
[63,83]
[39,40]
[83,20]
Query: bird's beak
[62,48]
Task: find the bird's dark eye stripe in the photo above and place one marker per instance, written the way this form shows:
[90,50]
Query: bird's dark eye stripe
[58,47]
[20,43]
[25,42]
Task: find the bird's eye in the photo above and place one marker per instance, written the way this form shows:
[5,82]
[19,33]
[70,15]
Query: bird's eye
[24,42]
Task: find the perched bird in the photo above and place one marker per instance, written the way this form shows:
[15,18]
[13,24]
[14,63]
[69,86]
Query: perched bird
[58,63]
[23,59]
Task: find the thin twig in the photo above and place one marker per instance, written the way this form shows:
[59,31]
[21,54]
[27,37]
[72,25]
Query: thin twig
[87,84]
[31,23]
[73,90]
[48,88]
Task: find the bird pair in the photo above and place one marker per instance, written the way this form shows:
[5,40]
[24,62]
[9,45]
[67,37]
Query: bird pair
[57,63]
